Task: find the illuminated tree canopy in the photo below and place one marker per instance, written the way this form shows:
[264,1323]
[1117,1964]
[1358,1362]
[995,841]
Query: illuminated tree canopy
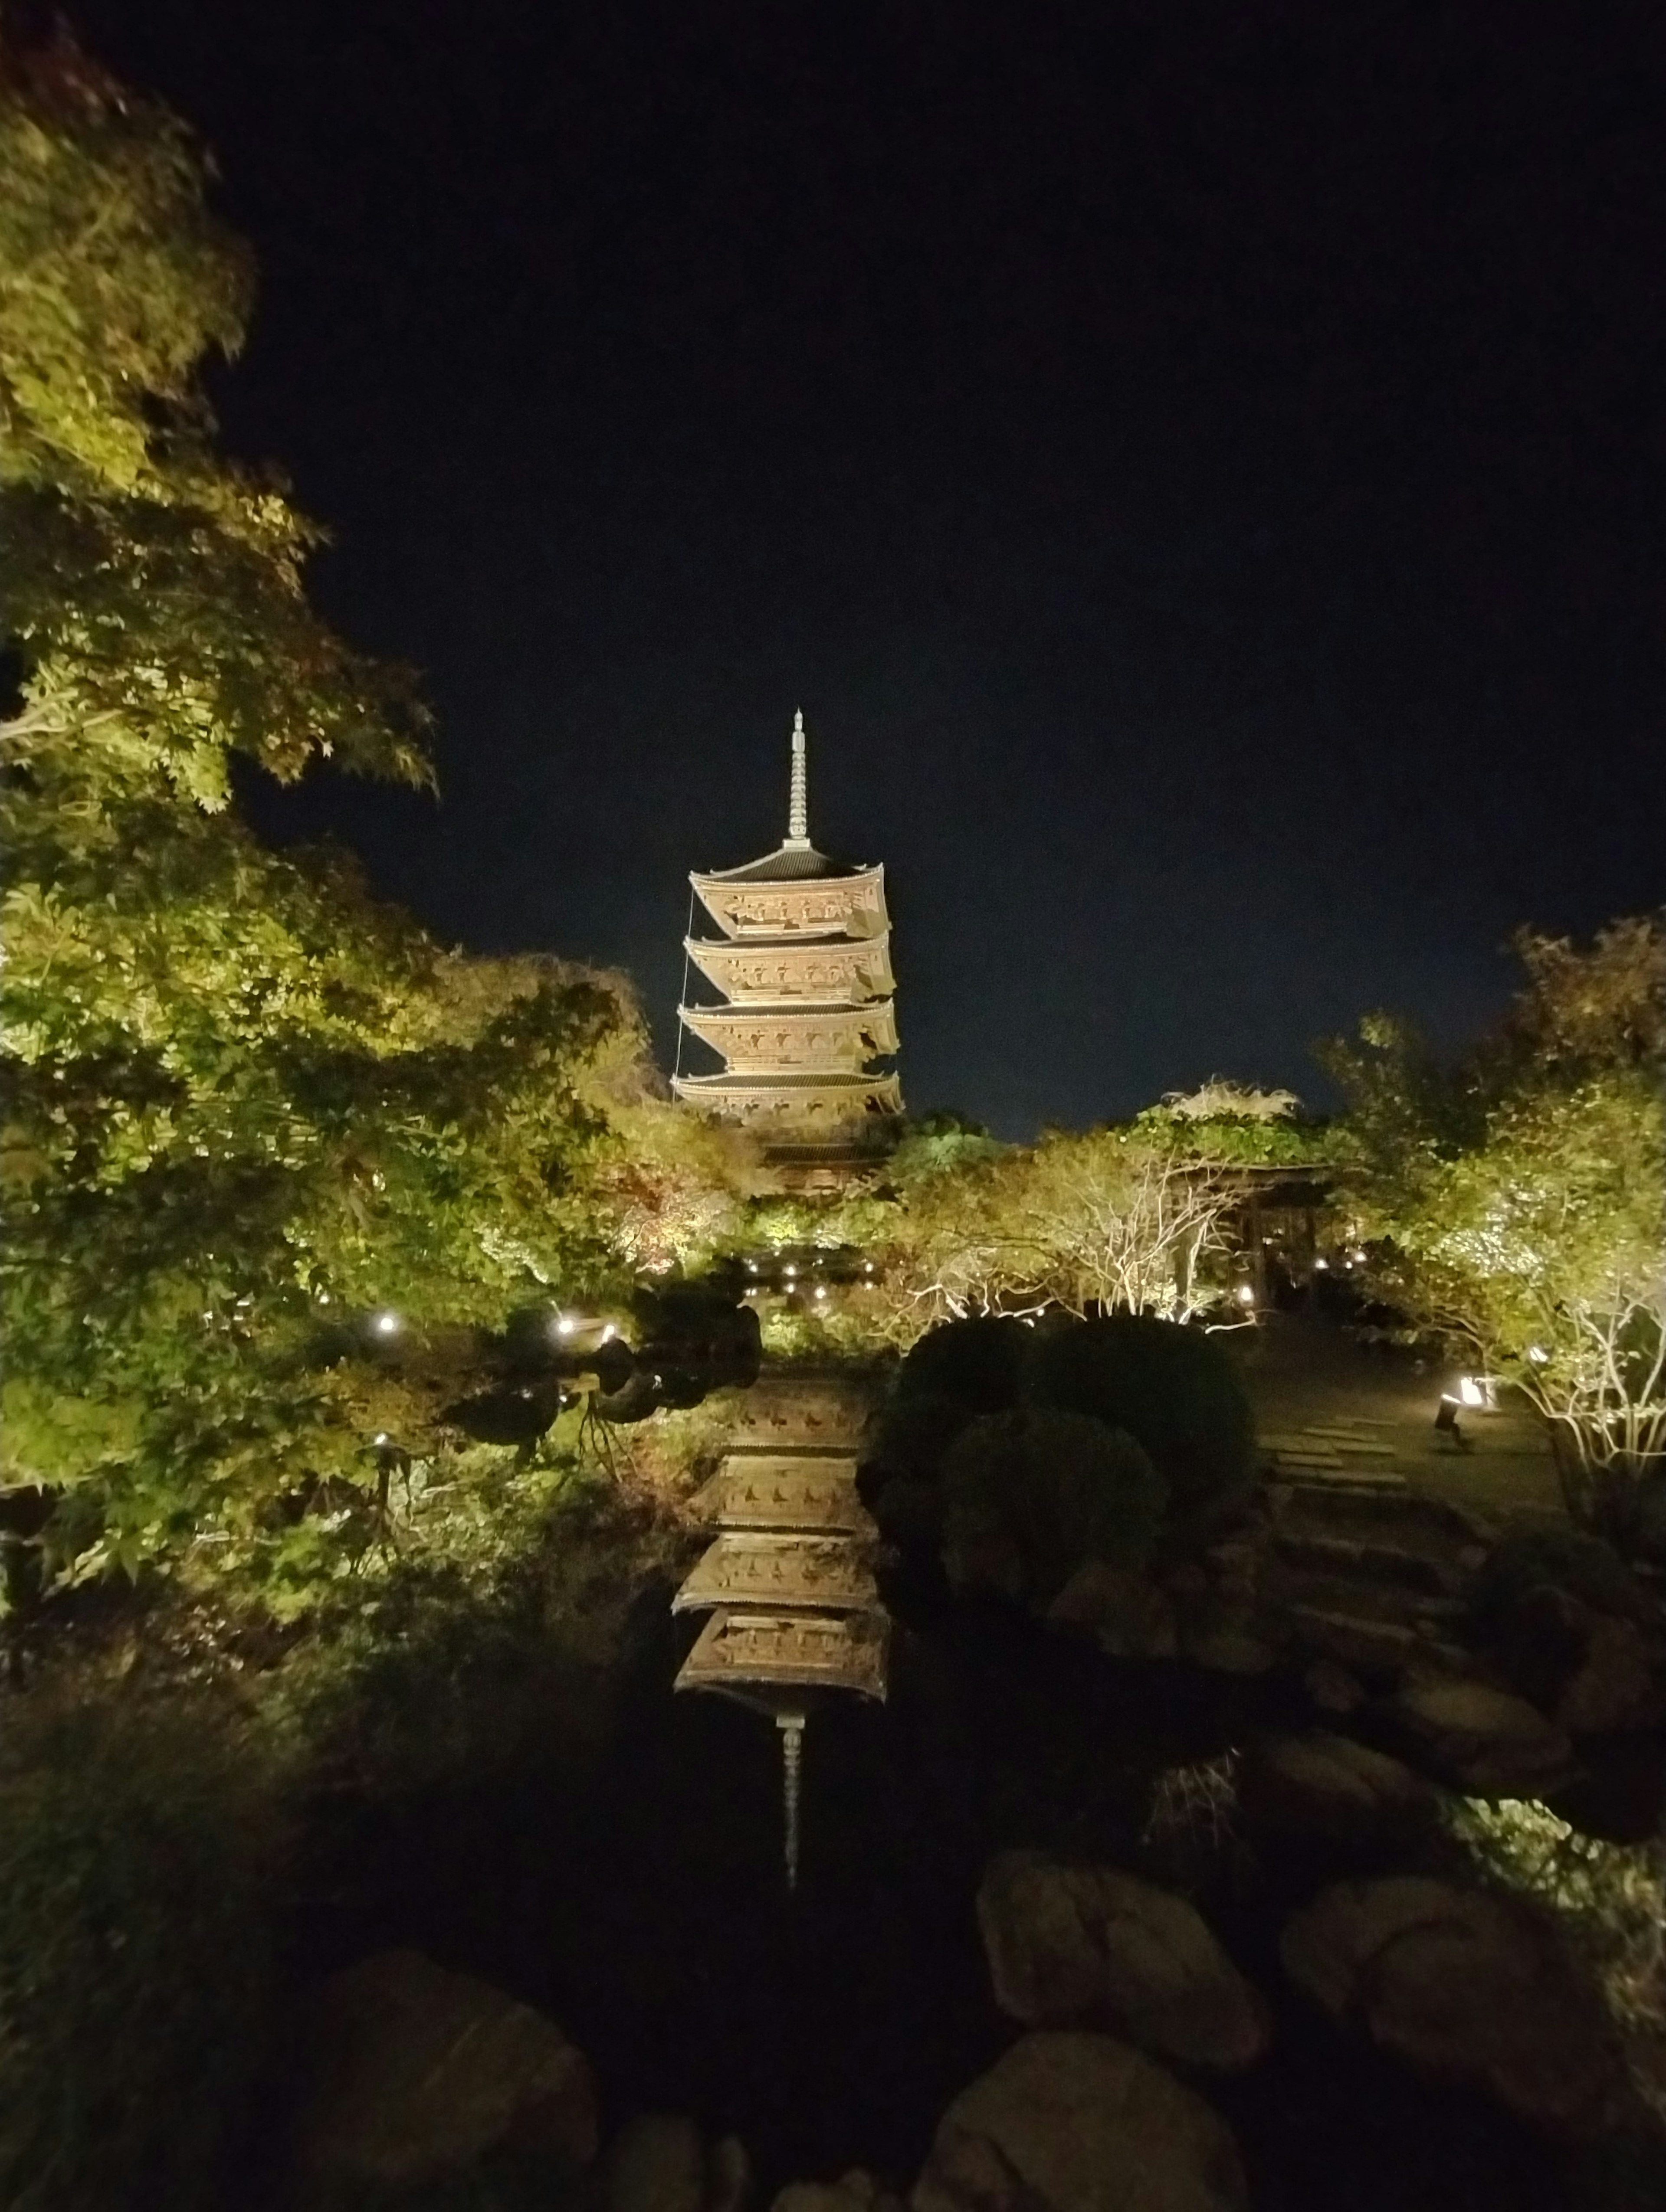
[1521,1197]
[243,1099]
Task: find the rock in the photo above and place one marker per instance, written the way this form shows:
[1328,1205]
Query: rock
[1462,1988]
[1078,2122]
[729,2175]
[855,2191]
[656,2163]
[1081,1944]
[1615,1686]
[1121,1608]
[1380,1650]
[1539,1644]
[1331,1688]
[419,2072]
[1331,1789]
[1227,1649]
[1481,1741]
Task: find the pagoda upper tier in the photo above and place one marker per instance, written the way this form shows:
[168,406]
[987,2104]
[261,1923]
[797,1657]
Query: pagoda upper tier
[825,972]
[803,967]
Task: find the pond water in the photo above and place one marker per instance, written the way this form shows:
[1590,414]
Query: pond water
[647,1911]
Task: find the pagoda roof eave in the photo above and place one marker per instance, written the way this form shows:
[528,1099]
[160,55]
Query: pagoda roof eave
[745,948]
[788,864]
[787,1079]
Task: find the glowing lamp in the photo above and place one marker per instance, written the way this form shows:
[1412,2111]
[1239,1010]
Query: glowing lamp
[386,1324]
[1244,1294]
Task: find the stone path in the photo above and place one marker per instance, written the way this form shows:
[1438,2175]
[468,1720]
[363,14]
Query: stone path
[1337,1416]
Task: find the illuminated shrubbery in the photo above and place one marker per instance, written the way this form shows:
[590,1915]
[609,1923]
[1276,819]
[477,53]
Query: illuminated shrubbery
[1610,1897]
[1518,1197]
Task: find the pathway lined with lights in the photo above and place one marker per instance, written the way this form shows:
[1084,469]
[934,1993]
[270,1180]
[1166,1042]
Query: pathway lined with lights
[787,1580]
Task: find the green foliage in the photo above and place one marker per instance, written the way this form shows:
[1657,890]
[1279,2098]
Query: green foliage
[1029,1497]
[499,1657]
[978,1364]
[1138,1217]
[1175,1389]
[1610,1897]
[137,1848]
[244,1102]
[1518,1198]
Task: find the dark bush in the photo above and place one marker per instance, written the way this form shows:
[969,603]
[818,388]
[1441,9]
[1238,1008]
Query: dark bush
[137,1849]
[917,1433]
[1028,1496]
[980,1365]
[1175,1391]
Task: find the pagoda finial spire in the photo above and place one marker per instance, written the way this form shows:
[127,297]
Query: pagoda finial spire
[798,811]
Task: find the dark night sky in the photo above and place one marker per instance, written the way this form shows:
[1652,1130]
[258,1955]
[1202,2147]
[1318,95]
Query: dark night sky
[1198,464]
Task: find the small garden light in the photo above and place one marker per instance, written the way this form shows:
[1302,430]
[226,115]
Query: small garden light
[386,1324]
[1245,1294]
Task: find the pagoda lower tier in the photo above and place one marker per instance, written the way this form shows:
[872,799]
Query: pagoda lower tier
[757,1040]
[802,1107]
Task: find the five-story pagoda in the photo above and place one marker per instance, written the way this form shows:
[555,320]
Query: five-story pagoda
[803,967]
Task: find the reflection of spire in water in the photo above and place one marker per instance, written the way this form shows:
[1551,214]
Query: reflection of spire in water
[792,1762]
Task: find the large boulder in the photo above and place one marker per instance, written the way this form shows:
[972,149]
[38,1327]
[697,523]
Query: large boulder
[1083,1945]
[1619,1685]
[1078,2122]
[1480,1741]
[418,2073]
[1120,1608]
[855,2191]
[656,2163]
[1465,1989]
[1331,1790]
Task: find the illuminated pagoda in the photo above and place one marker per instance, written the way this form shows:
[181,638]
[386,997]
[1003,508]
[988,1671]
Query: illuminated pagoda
[803,967]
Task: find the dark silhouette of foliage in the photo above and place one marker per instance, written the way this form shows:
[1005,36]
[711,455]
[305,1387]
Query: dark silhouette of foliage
[978,1364]
[1029,1497]
[1173,1388]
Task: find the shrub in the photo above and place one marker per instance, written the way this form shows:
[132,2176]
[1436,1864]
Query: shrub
[917,1433]
[1028,1496]
[137,1848]
[980,1365]
[1173,1389]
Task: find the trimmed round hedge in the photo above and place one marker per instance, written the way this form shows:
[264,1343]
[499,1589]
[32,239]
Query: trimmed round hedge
[1173,1389]
[980,1364]
[1029,1497]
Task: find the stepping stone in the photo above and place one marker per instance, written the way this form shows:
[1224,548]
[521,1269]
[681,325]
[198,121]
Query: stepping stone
[1357,1481]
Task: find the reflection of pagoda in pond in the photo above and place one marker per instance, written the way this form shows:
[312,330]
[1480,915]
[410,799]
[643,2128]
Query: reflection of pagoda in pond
[787,1580]
[804,967]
